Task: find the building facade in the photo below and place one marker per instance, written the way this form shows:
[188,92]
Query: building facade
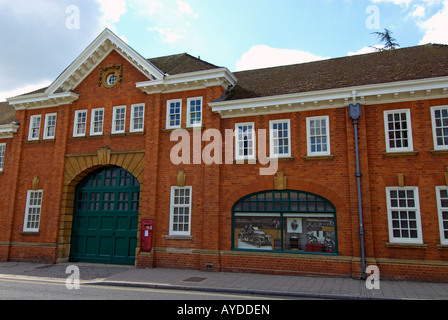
[322,168]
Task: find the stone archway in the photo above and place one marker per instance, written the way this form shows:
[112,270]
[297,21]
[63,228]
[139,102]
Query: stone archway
[78,166]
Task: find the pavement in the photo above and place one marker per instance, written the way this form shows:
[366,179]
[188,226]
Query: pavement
[286,286]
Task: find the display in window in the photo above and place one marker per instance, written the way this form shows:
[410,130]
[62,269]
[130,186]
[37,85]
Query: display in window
[256,233]
[294,225]
[301,234]
[321,236]
[309,235]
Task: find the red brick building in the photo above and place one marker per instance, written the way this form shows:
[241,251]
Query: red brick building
[321,168]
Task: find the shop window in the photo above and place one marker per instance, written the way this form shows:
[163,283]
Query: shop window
[285,221]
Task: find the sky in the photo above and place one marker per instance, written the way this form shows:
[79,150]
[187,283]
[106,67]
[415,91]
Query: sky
[39,39]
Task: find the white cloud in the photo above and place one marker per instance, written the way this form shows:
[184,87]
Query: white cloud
[405,3]
[262,56]
[37,44]
[418,11]
[185,8]
[112,10]
[145,8]
[168,35]
[29,88]
[365,50]
[435,28]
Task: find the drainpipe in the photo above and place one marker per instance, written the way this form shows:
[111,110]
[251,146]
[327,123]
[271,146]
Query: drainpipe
[355,112]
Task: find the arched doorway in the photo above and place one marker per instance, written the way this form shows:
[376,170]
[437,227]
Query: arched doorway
[105,218]
[287,221]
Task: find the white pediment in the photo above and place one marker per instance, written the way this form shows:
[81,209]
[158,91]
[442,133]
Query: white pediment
[92,56]
[60,91]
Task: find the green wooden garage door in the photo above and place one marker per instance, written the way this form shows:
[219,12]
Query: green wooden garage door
[105,219]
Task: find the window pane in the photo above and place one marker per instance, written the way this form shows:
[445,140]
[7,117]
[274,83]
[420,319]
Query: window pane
[318,135]
[180,210]
[398,130]
[404,216]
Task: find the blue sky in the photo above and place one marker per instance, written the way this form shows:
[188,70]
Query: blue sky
[40,38]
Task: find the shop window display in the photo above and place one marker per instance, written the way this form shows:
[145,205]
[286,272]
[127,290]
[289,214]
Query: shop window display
[285,221]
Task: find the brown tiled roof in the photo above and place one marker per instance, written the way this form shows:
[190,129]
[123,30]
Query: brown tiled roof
[174,64]
[427,61]
[7,113]
[181,63]
[420,62]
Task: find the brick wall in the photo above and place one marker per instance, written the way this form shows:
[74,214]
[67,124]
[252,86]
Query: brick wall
[217,187]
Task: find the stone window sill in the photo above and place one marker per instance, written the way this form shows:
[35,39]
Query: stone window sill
[171,237]
[87,137]
[255,161]
[400,154]
[316,158]
[125,134]
[407,245]
[187,128]
[39,141]
[438,152]
[29,233]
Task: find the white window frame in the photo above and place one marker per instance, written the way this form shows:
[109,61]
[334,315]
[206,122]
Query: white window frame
[30,133]
[239,156]
[434,128]
[410,146]
[133,117]
[273,139]
[403,209]
[2,156]
[33,211]
[189,124]
[47,125]
[443,223]
[115,120]
[76,123]
[92,122]
[174,206]
[168,114]
[310,136]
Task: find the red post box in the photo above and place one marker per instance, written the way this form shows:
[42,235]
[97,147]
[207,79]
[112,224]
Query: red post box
[146,235]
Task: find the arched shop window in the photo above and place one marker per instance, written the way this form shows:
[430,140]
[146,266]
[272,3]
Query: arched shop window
[284,221]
